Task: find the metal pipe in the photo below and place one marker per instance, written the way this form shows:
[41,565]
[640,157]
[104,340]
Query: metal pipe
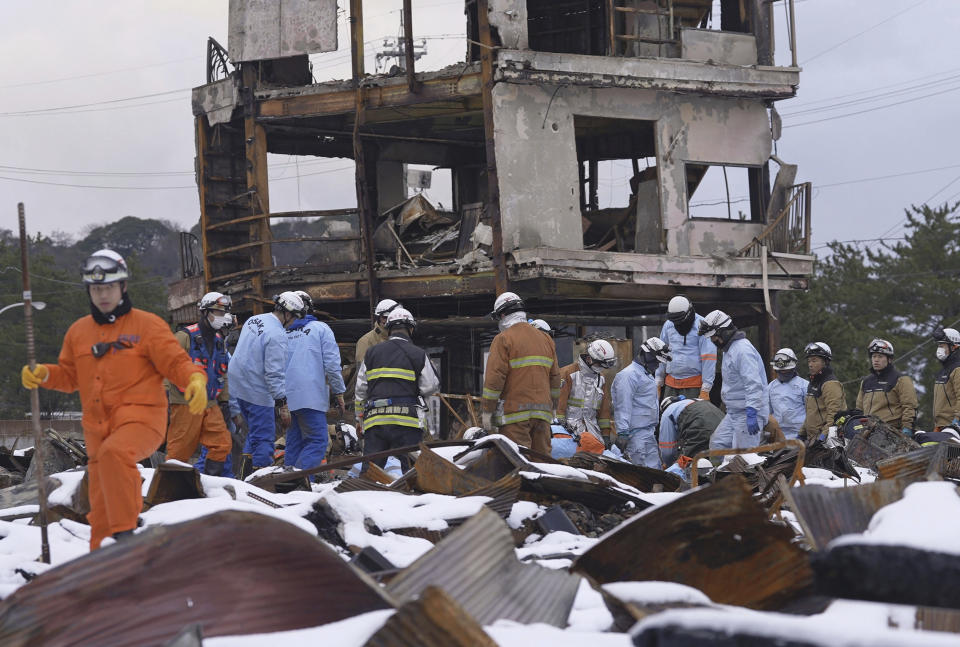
[34,393]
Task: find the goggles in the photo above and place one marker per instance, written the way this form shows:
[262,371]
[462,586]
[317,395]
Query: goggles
[101,269]
[102,348]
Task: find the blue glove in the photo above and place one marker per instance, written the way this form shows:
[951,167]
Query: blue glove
[908,432]
[955,424]
[753,426]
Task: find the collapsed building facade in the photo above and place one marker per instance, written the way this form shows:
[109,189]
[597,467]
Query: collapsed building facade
[550,90]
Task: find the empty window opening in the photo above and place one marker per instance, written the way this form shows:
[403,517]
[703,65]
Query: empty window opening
[568,26]
[725,192]
[619,184]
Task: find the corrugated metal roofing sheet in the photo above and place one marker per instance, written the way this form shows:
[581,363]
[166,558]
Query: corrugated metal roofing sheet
[476,565]
[432,620]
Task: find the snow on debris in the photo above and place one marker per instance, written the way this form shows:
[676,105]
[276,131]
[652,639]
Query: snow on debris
[926,518]
[352,632]
[507,633]
[653,592]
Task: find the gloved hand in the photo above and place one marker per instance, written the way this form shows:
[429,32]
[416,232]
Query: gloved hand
[283,411]
[486,421]
[36,377]
[341,406]
[621,442]
[753,425]
[704,395]
[955,423]
[908,432]
[607,442]
[196,393]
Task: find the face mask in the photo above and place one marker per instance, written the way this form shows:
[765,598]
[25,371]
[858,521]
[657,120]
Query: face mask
[220,322]
[942,353]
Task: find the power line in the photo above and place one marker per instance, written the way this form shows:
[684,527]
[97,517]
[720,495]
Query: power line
[40,171]
[872,98]
[860,112]
[874,89]
[95,103]
[75,77]
[861,33]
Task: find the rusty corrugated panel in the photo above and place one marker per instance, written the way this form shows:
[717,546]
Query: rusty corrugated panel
[877,443]
[477,566]
[438,475]
[643,478]
[232,572]
[716,539]
[432,620]
[173,482]
[547,489]
[911,466]
[503,493]
[363,485]
[825,513]
[937,619]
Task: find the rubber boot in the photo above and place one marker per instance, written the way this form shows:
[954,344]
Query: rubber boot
[213,468]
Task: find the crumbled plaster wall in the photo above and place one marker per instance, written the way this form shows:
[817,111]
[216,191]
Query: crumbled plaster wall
[537,165]
[509,18]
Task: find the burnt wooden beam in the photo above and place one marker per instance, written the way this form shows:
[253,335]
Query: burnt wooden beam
[412,85]
[255,150]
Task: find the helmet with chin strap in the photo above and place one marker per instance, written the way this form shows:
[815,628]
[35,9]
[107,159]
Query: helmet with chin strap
[678,308]
[818,349]
[714,322]
[784,360]
[104,266]
[505,304]
[288,302]
[657,348]
[602,353]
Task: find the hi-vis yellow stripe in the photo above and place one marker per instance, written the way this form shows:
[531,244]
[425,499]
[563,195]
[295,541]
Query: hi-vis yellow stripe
[531,360]
[395,373]
[522,416]
[403,421]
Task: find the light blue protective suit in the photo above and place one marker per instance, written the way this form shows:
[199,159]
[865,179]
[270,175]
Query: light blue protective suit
[787,404]
[636,413]
[744,385]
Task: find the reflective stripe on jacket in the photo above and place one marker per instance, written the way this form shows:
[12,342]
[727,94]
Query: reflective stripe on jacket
[393,375]
[693,357]
[521,371]
[889,396]
[213,364]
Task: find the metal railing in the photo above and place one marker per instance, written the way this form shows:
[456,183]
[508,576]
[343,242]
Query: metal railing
[789,232]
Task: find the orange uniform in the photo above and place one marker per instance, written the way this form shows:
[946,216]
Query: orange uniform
[124,406]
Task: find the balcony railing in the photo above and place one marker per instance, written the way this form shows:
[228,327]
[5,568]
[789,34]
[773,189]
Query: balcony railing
[789,231]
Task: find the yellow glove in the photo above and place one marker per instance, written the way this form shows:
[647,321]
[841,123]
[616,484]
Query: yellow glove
[36,377]
[196,393]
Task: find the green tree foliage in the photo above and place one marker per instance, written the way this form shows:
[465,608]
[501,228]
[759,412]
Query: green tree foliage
[900,292]
[55,280]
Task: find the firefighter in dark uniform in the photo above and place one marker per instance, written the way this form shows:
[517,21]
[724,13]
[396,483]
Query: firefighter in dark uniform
[393,377]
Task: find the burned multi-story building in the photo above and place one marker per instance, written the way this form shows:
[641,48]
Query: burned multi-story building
[677,91]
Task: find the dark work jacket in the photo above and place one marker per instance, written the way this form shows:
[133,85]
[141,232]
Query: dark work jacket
[824,399]
[889,396]
[946,392]
[392,372]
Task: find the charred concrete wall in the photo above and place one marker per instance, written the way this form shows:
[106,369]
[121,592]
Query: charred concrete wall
[538,168]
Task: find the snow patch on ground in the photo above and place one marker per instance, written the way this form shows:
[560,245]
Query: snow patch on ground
[555,543]
[166,514]
[352,632]
[507,633]
[589,613]
[926,518]
[654,592]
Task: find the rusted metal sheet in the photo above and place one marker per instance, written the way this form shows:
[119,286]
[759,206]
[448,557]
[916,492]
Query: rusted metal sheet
[912,466]
[504,493]
[477,566]
[645,479]
[876,443]
[547,489]
[432,620]
[263,29]
[934,619]
[104,598]
[825,513]
[716,539]
[440,476]
[497,460]
[362,485]
[338,100]
[173,482]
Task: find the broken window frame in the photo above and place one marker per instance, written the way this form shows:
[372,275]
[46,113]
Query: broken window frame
[758,182]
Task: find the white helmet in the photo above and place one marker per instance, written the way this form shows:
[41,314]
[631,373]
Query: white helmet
[658,348]
[670,399]
[215,301]
[947,336]
[384,307]
[400,316]
[105,266]
[602,353]
[288,302]
[540,324]
[506,303]
[678,308]
[714,322]
[306,298]
[784,360]
[818,349]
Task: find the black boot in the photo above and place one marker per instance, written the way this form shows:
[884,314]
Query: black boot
[213,468]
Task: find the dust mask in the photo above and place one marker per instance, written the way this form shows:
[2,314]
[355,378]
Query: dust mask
[942,354]
[220,321]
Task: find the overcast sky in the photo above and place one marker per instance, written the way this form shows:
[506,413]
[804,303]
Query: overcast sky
[71,66]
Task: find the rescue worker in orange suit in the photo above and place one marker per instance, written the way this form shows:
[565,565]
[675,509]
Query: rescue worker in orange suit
[205,345]
[521,372]
[118,357]
[584,404]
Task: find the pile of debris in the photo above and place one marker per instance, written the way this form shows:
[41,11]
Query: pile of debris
[482,538]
